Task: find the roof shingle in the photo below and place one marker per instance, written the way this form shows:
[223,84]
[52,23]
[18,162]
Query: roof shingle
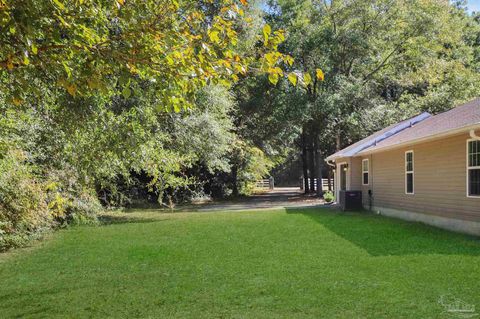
[459,117]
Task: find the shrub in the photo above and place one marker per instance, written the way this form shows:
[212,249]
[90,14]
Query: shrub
[83,209]
[30,207]
[69,202]
[328,197]
[23,207]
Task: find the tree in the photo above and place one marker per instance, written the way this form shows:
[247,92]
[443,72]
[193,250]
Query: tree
[383,61]
[89,89]
[88,47]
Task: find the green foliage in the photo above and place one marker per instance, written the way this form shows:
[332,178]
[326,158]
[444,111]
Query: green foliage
[249,164]
[90,48]
[328,196]
[69,201]
[31,204]
[23,205]
[107,96]
[207,132]
[395,57]
[96,82]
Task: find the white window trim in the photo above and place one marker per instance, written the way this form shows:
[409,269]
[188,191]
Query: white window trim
[367,171]
[408,172]
[468,169]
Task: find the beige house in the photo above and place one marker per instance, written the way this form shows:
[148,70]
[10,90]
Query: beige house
[425,169]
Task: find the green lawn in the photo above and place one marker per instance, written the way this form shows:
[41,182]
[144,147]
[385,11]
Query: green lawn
[267,264]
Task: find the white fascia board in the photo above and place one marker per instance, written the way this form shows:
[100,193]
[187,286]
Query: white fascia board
[464,129]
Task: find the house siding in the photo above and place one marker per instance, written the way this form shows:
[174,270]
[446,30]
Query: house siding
[356,173]
[439,180]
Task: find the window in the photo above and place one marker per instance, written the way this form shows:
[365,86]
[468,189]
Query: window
[365,170]
[409,179]
[473,168]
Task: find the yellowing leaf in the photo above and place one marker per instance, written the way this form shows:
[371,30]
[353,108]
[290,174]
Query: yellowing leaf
[320,75]
[17,101]
[292,77]
[271,58]
[9,64]
[59,4]
[307,79]
[278,71]
[273,78]
[244,2]
[267,30]
[72,89]
[289,60]
[34,49]
[213,35]
[280,35]
[121,2]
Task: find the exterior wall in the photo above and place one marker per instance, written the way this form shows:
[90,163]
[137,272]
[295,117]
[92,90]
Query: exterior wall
[354,176]
[338,162]
[440,187]
[355,169]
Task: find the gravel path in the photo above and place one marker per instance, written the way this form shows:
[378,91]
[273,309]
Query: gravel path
[278,198]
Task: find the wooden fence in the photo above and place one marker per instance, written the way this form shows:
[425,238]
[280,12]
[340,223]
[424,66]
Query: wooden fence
[315,182]
[265,183]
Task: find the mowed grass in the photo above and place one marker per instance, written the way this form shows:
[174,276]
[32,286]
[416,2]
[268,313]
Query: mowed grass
[309,263]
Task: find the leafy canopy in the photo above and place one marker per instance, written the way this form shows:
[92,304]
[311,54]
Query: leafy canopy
[89,47]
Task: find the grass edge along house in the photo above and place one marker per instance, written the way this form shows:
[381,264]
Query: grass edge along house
[426,169]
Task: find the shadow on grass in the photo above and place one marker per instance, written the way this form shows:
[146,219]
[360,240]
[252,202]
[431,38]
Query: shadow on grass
[112,219]
[384,236]
[155,207]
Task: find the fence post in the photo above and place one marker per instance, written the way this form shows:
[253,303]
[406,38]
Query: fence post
[271,182]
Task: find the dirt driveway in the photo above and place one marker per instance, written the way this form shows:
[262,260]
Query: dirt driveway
[277,198]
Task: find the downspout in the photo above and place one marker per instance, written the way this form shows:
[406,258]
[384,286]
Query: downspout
[330,164]
[370,188]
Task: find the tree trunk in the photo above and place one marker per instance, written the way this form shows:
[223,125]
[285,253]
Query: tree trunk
[312,167]
[338,141]
[319,164]
[305,162]
[235,191]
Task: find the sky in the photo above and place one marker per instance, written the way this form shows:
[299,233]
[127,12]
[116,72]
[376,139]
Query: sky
[474,5]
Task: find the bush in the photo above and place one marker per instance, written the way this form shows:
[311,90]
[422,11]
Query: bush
[328,197]
[69,202]
[30,207]
[24,212]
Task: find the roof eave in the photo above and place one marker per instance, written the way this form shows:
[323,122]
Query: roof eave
[337,156]
[332,158]
[428,138]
